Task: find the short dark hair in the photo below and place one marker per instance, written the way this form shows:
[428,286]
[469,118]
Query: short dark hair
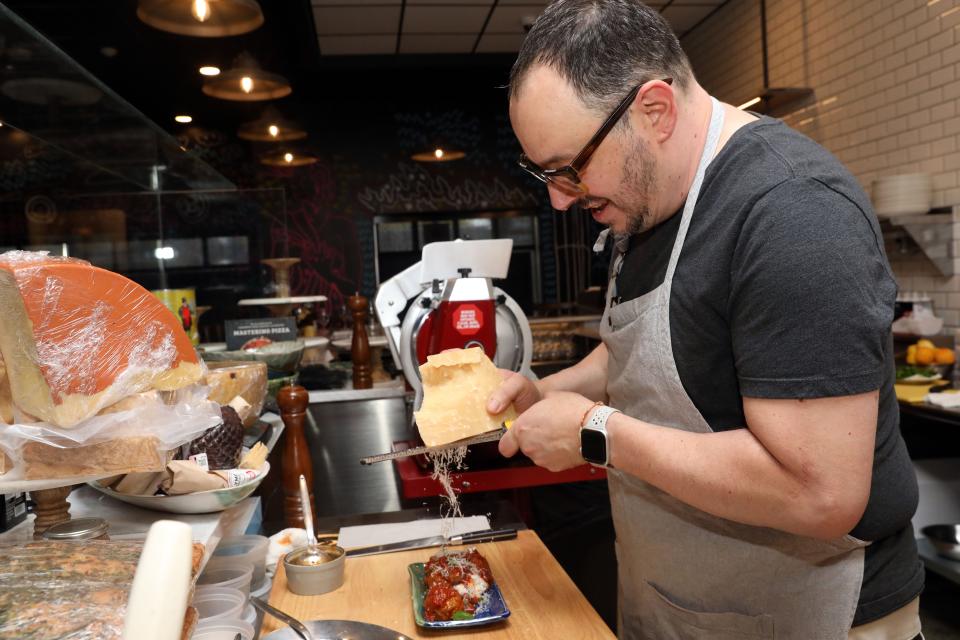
[603,48]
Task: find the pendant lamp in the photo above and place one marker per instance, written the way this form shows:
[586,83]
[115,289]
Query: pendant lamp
[201,18]
[438,154]
[271,127]
[773,100]
[287,158]
[247,82]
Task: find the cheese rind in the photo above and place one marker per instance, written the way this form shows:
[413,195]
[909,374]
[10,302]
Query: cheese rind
[456,386]
[76,338]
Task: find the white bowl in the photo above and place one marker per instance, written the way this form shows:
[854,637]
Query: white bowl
[199,502]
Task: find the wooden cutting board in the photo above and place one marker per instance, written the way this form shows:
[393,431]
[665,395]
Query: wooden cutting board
[543,601]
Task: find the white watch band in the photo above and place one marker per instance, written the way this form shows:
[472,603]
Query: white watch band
[598,418]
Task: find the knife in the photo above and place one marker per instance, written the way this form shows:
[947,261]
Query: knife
[488,535]
[490,436]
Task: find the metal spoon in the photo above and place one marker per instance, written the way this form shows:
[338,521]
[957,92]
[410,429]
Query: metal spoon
[313,555]
[295,624]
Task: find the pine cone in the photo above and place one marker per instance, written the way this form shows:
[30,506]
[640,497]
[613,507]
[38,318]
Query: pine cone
[223,444]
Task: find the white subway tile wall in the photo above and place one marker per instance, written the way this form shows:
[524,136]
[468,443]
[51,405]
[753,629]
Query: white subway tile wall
[886,76]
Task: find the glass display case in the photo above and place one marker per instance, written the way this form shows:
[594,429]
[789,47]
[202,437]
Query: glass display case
[85,174]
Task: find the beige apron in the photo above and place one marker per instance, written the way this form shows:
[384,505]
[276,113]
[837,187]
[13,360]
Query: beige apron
[685,574]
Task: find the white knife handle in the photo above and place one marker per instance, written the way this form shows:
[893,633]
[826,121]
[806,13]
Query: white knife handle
[158,596]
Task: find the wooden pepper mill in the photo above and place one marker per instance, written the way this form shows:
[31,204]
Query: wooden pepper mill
[295,460]
[52,507]
[360,347]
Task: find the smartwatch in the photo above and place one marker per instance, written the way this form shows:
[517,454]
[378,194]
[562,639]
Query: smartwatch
[593,437]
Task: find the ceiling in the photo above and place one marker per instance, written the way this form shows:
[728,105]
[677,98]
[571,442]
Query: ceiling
[328,49]
[380,27]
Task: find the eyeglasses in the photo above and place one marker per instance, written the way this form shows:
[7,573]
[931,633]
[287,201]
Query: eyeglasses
[568,177]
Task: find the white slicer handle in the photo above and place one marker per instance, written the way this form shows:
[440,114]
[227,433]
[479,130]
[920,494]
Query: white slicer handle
[158,596]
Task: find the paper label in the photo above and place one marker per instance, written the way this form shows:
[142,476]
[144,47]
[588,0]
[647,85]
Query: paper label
[467,319]
[237,477]
[201,460]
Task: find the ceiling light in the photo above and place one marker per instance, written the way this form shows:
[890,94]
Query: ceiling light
[164,253]
[247,82]
[287,159]
[438,154]
[209,71]
[750,103]
[183,119]
[200,10]
[202,18]
[271,127]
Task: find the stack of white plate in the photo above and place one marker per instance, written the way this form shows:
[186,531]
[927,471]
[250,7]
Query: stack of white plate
[908,194]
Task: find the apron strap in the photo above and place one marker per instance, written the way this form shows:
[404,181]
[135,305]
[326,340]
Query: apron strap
[709,148]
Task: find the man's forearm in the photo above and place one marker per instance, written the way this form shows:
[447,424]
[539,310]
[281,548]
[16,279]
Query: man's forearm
[588,377]
[728,474]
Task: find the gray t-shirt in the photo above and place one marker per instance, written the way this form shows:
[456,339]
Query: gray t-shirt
[783,290]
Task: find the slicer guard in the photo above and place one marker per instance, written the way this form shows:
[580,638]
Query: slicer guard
[404,302]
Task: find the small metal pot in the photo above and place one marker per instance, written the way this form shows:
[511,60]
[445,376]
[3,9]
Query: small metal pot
[311,572]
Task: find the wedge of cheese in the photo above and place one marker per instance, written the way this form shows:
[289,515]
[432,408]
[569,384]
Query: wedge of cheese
[76,338]
[6,402]
[456,387]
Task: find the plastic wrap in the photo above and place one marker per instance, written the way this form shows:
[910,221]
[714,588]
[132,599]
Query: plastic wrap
[126,440]
[76,339]
[70,590]
[98,377]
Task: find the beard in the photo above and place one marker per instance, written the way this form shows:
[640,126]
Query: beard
[639,173]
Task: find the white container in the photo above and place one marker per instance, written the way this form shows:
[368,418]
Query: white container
[907,194]
[216,603]
[240,551]
[223,629]
[230,577]
[250,615]
[262,590]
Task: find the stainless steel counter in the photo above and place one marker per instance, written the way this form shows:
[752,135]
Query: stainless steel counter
[344,432]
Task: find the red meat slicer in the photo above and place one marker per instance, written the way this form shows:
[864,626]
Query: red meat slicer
[448,301]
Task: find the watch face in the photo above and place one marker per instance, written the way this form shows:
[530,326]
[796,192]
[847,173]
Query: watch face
[593,446]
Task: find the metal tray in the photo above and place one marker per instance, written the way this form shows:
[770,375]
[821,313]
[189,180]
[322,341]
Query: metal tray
[945,538]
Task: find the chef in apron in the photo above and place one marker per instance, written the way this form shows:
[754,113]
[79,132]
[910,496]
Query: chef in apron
[684,573]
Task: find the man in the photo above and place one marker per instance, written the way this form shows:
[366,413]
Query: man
[758,481]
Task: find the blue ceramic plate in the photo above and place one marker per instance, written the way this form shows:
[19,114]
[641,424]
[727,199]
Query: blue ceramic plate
[493,609]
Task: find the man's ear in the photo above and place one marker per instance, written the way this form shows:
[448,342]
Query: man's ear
[658,106]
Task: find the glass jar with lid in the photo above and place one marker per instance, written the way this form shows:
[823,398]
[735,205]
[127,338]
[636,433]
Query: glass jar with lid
[78,530]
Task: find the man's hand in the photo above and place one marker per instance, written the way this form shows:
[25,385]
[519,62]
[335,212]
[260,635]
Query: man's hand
[515,388]
[549,431]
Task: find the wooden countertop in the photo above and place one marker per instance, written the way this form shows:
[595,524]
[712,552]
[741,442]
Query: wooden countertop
[543,601]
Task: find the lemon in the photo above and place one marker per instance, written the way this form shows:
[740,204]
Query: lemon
[926,343]
[925,355]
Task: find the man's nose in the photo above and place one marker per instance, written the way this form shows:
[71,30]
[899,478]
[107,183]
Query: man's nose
[560,200]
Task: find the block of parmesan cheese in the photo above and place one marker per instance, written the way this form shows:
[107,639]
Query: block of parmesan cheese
[456,386]
[76,338]
[6,402]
